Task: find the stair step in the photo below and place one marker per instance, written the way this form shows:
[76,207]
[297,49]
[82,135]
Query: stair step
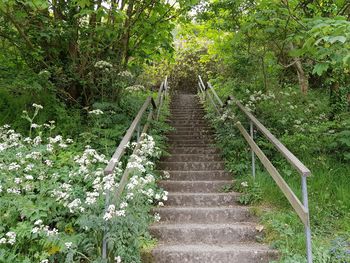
[213,253]
[216,215]
[199,175]
[192,142]
[202,199]
[194,186]
[193,150]
[185,117]
[192,158]
[191,133]
[191,166]
[205,233]
[187,122]
[185,137]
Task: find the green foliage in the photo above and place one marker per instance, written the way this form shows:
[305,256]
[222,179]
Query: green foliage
[304,126]
[85,44]
[54,208]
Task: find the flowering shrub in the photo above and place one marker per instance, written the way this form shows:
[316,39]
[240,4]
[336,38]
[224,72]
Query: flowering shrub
[52,201]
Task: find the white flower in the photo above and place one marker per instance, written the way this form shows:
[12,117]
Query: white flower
[103,65]
[17,180]
[130,196]
[35,230]
[244,184]
[38,106]
[161,204]
[91,197]
[96,112]
[110,212]
[123,205]
[29,177]
[120,213]
[13,166]
[165,195]
[49,147]
[37,140]
[125,73]
[13,191]
[157,217]
[135,88]
[118,259]
[11,237]
[44,261]
[49,232]
[38,222]
[48,163]
[74,204]
[3,240]
[68,244]
[35,126]
[166,174]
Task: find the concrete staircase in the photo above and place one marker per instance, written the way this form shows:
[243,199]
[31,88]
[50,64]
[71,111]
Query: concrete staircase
[200,223]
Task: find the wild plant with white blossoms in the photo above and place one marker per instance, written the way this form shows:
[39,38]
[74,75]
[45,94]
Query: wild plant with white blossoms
[52,196]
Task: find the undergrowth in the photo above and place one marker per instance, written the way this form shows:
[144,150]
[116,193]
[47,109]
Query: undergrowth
[320,142]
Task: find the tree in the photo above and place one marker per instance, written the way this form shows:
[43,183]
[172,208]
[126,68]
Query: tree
[67,38]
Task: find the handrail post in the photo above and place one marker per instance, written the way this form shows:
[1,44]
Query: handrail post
[307,226]
[253,154]
[138,131]
[104,238]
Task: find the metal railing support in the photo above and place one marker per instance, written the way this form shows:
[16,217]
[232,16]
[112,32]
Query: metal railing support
[138,132]
[307,226]
[253,154]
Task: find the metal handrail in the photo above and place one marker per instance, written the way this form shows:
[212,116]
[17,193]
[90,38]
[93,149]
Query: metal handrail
[301,208]
[120,151]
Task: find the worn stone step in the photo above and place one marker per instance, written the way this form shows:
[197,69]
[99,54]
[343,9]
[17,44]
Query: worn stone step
[190,142]
[203,125]
[213,253]
[186,111]
[192,158]
[184,107]
[194,145]
[191,146]
[199,175]
[205,233]
[188,136]
[195,132]
[194,186]
[191,116]
[187,122]
[191,166]
[199,113]
[186,117]
[216,215]
[192,131]
[202,199]
[193,150]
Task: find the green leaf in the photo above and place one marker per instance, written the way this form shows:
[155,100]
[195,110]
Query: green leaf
[320,68]
[341,39]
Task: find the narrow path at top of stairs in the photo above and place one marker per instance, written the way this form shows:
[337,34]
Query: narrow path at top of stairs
[199,223]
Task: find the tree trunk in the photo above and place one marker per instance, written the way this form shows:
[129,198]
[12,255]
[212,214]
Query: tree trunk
[302,77]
